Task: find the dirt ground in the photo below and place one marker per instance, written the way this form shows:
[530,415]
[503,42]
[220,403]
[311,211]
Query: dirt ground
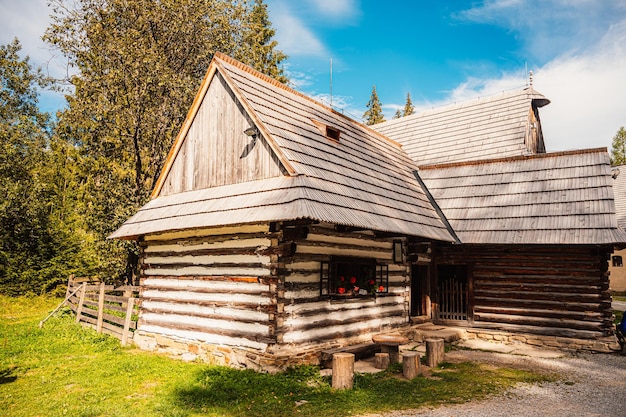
[588,384]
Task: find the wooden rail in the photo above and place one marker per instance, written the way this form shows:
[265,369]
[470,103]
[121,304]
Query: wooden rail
[108,309]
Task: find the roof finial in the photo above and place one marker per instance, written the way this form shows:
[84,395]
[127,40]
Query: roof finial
[530,77]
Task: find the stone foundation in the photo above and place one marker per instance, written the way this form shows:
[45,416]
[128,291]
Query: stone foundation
[600,345]
[280,357]
[275,359]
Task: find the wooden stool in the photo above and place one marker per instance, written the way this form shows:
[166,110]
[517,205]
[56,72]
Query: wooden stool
[381,360]
[343,370]
[434,352]
[410,364]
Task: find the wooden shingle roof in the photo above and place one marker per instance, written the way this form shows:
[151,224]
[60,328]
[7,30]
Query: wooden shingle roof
[362,180]
[489,127]
[555,198]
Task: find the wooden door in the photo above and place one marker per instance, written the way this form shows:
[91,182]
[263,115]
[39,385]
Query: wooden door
[420,280]
[452,292]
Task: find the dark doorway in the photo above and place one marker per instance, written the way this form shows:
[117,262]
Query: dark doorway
[420,286]
[452,292]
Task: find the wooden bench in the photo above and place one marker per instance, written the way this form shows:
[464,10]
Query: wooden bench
[360,351]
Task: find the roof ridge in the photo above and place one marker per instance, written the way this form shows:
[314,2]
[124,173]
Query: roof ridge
[515,158]
[240,65]
[474,101]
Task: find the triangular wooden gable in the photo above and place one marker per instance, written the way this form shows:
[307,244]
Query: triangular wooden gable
[212,149]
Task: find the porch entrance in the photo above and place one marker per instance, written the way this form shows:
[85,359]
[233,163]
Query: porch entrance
[420,288]
[452,292]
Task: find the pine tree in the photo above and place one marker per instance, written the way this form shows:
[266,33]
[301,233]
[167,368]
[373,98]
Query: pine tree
[374,112]
[409,108]
[398,114]
[618,149]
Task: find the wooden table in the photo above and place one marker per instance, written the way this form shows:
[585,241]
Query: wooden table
[390,343]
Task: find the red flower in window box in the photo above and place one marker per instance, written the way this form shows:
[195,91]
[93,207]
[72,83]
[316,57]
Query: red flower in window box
[341,290]
[341,278]
[371,282]
[353,280]
[381,289]
[356,289]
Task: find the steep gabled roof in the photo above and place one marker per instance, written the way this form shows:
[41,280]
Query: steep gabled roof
[360,179]
[490,127]
[554,198]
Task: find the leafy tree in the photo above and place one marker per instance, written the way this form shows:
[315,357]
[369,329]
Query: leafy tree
[37,247]
[374,112]
[136,68]
[618,149]
[409,108]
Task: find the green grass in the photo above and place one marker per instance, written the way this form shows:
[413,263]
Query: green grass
[64,369]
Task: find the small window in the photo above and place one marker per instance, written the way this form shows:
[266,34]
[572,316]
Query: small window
[333,133]
[353,277]
[617,261]
[329,131]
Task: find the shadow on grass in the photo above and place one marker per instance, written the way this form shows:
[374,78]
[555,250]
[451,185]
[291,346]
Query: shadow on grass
[7,375]
[232,392]
[303,392]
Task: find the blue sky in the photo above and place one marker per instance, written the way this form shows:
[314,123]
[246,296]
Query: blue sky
[438,51]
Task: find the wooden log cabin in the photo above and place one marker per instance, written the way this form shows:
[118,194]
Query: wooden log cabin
[537,234]
[280,228]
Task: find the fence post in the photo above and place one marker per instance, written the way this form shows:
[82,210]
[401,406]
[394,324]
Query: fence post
[127,320]
[81,301]
[100,309]
[70,286]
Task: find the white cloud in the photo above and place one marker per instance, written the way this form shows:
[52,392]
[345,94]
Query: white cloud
[588,94]
[341,10]
[27,20]
[586,83]
[548,27]
[293,36]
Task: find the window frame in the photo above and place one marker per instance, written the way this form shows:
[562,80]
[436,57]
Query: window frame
[347,267]
[617,261]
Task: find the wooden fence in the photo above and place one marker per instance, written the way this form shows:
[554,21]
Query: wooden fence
[108,309]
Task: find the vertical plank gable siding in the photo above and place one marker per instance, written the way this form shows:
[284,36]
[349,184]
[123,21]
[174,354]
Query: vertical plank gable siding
[310,320]
[216,151]
[215,288]
[558,290]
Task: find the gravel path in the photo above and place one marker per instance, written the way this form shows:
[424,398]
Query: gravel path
[591,385]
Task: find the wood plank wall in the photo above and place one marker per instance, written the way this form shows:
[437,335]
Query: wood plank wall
[215,288]
[216,151]
[554,290]
[308,319]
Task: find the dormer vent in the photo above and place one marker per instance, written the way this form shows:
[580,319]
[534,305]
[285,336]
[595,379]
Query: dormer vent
[330,132]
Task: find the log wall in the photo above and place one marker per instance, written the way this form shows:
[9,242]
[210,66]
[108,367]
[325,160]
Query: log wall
[552,290]
[308,319]
[212,288]
[250,295]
